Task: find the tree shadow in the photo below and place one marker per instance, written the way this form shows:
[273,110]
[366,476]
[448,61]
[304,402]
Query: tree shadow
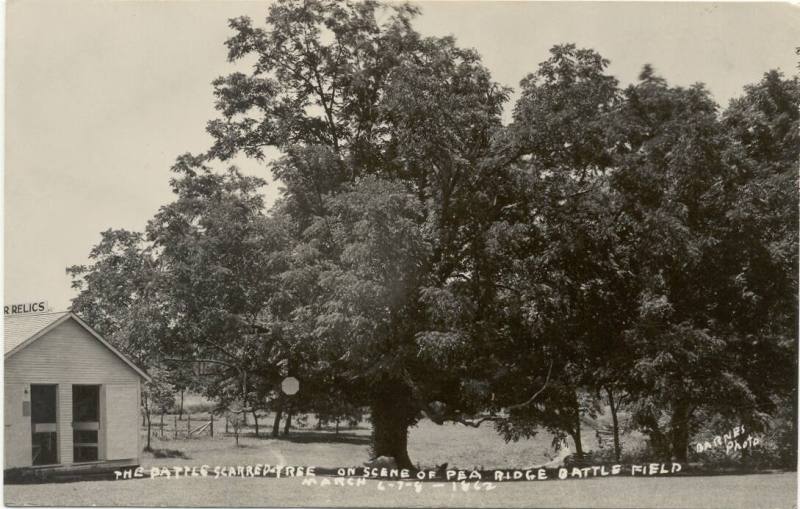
[315,437]
[169,453]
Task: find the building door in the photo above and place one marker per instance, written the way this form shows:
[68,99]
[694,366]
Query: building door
[44,435]
[85,423]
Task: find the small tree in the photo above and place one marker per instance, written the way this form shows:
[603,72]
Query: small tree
[235,415]
[158,396]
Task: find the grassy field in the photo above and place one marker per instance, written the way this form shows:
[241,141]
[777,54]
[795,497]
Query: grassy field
[429,445]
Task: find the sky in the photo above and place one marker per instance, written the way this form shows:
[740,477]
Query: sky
[101,97]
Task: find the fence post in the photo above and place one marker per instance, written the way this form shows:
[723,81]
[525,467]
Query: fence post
[188,424]
[212,425]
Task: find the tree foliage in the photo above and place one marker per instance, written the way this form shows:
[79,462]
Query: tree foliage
[632,246]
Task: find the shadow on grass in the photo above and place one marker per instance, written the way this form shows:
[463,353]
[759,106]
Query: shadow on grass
[245,446]
[313,437]
[169,453]
[328,438]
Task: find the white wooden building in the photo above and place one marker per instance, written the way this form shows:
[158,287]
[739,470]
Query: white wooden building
[71,399]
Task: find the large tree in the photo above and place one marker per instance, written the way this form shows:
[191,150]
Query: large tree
[708,288]
[542,297]
[119,293]
[221,258]
[762,241]
[353,103]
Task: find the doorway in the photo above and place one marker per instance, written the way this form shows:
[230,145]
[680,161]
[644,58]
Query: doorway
[85,423]
[44,430]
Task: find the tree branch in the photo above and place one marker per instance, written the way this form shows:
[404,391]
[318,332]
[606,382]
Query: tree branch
[212,361]
[536,394]
[474,424]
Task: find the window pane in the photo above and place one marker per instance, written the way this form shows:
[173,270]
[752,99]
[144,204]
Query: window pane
[45,449]
[43,403]
[84,436]
[86,403]
[81,454]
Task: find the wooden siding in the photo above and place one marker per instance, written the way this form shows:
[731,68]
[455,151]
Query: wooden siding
[122,428]
[17,428]
[68,354]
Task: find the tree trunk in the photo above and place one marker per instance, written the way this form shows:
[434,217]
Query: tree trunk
[162,424]
[658,440]
[276,423]
[255,421]
[144,404]
[615,424]
[576,437]
[392,412]
[576,432]
[680,431]
[180,408]
[337,425]
[288,424]
[149,426]
[793,440]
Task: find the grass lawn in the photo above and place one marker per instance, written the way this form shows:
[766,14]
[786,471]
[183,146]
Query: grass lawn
[429,445]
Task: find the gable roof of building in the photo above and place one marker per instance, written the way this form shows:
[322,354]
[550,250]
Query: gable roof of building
[20,331]
[18,328]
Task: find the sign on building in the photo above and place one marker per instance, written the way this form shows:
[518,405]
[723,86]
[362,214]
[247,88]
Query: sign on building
[27,307]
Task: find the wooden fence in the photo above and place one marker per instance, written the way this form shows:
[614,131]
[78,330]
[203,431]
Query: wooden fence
[169,426]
